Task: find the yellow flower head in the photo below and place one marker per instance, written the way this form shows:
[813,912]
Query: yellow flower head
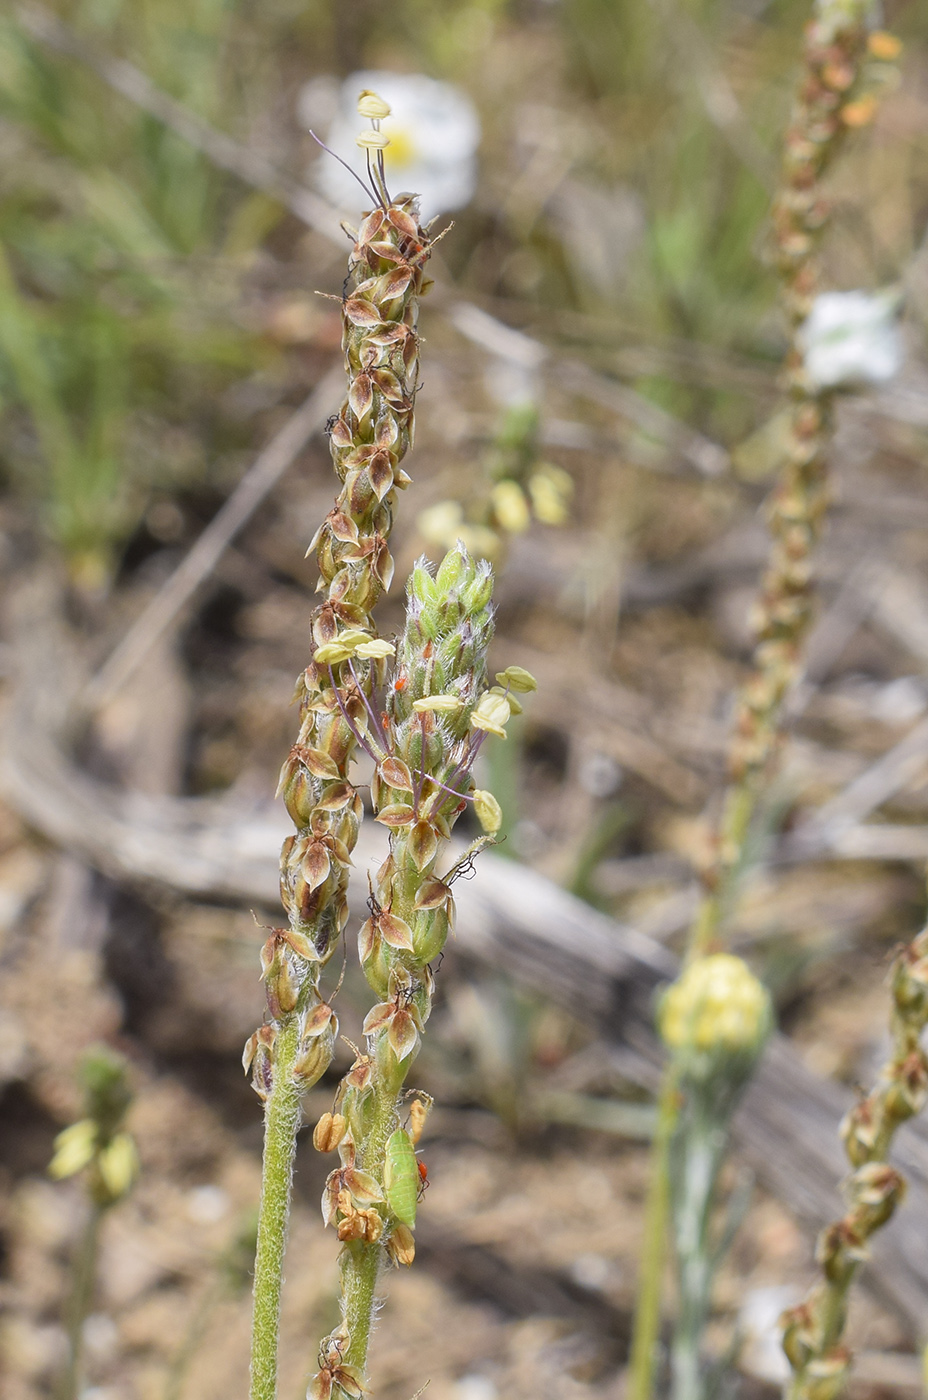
[717,1005]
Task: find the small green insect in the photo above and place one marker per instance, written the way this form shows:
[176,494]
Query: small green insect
[401,1177]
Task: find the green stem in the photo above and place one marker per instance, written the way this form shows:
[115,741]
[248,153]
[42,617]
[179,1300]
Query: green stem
[282,1119]
[648,1309]
[85,1272]
[360,1263]
[703,1149]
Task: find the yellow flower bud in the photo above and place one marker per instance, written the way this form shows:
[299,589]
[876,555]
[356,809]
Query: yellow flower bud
[419,1110]
[716,1005]
[329,1132]
[489,812]
[373,106]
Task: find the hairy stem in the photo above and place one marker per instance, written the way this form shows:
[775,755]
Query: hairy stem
[360,1268]
[282,1119]
[360,1263]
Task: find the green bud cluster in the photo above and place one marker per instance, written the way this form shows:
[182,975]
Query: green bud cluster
[443,650]
[424,783]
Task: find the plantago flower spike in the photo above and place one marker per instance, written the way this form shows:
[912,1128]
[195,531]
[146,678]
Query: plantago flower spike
[369,438]
[715,1020]
[424,739]
[837,63]
[836,73]
[813,1331]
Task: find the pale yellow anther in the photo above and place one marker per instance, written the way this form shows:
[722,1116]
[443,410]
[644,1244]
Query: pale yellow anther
[74,1148]
[353,641]
[491,713]
[374,649]
[352,638]
[510,699]
[330,654]
[441,704]
[550,488]
[372,141]
[517,678]
[489,812]
[511,507]
[119,1164]
[372,105]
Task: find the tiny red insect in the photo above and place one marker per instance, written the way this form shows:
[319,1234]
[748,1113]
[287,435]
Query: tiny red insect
[400,683]
[423,1177]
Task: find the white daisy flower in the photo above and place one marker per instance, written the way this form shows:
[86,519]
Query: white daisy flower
[852,338]
[434,132]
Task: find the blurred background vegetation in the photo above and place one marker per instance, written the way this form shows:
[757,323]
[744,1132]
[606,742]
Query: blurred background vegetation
[628,155]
